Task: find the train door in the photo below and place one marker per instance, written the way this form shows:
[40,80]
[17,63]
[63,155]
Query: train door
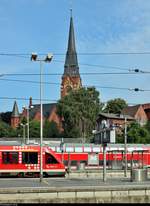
[93,159]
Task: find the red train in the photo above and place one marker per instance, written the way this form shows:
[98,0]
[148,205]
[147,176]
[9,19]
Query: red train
[25,161]
[92,155]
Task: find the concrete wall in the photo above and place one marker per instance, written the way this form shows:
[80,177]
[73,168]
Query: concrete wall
[76,195]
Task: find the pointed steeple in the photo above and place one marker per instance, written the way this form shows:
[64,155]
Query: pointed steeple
[71,62]
[15,112]
[71,78]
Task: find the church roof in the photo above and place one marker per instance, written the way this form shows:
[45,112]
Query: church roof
[15,111]
[47,109]
[71,61]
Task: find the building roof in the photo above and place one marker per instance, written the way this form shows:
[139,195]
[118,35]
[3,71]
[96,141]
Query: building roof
[15,111]
[115,116]
[130,110]
[47,109]
[71,62]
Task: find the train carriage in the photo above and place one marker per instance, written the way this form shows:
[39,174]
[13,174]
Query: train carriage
[92,155]
[25,161]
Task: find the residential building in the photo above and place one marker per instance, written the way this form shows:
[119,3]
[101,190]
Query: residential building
[137,112]
[108,124]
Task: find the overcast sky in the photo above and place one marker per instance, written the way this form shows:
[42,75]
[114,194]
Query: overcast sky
[101,27]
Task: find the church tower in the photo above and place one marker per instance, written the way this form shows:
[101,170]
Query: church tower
[71,77]
[15,116]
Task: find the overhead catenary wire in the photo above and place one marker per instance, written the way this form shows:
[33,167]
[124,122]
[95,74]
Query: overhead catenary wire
[86,73]
[54,83]
[28,81]
[27,99]
[100,66]
[130,71]
[27,55]
[49,100]
[79,53]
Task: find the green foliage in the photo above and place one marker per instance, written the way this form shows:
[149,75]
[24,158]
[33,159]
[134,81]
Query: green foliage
[138,134]
[5,117]
[119,138]
[6,130]
[51,129]
[135,134]
[147,126]
[79,110]
[115,106]
[34,129]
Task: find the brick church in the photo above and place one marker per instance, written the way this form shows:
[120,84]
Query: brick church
[70,79]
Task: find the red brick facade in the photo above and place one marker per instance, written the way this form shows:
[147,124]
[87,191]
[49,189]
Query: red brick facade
[146,108]
[137,112]
[15,121]
[141,116]
[69,82]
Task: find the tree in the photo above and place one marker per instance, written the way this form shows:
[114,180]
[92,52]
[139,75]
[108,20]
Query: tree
[6,130]
[50,129]
[115,106]
[137,134]
[34,129]
[79,110]
[147,126]
[6,117]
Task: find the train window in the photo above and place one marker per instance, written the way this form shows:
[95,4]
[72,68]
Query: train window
[66,162]
[84,161]
[10,157]
[49,159]
[29,157]
[73,163]
[100,162]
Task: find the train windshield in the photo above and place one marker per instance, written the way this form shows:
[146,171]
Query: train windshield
[49,159]
[30,157]
[10,157]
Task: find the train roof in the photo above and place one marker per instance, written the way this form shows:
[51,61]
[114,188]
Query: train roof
[57,143]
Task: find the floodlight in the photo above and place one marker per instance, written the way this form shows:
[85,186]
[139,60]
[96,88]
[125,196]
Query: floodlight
[34,56]
[48,57]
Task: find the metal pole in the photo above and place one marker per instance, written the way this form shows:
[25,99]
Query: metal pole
[131,166]
[41,125]
[104,158]
[125,147]
[24,134]
[28,125]
[104,163]
[62,150]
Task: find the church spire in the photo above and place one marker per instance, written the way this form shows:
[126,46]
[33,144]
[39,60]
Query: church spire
[15,116]
[71,61]
[71,78]
[15,111]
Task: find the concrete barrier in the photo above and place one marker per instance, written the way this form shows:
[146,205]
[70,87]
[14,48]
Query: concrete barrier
[139,175]
[76,195]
